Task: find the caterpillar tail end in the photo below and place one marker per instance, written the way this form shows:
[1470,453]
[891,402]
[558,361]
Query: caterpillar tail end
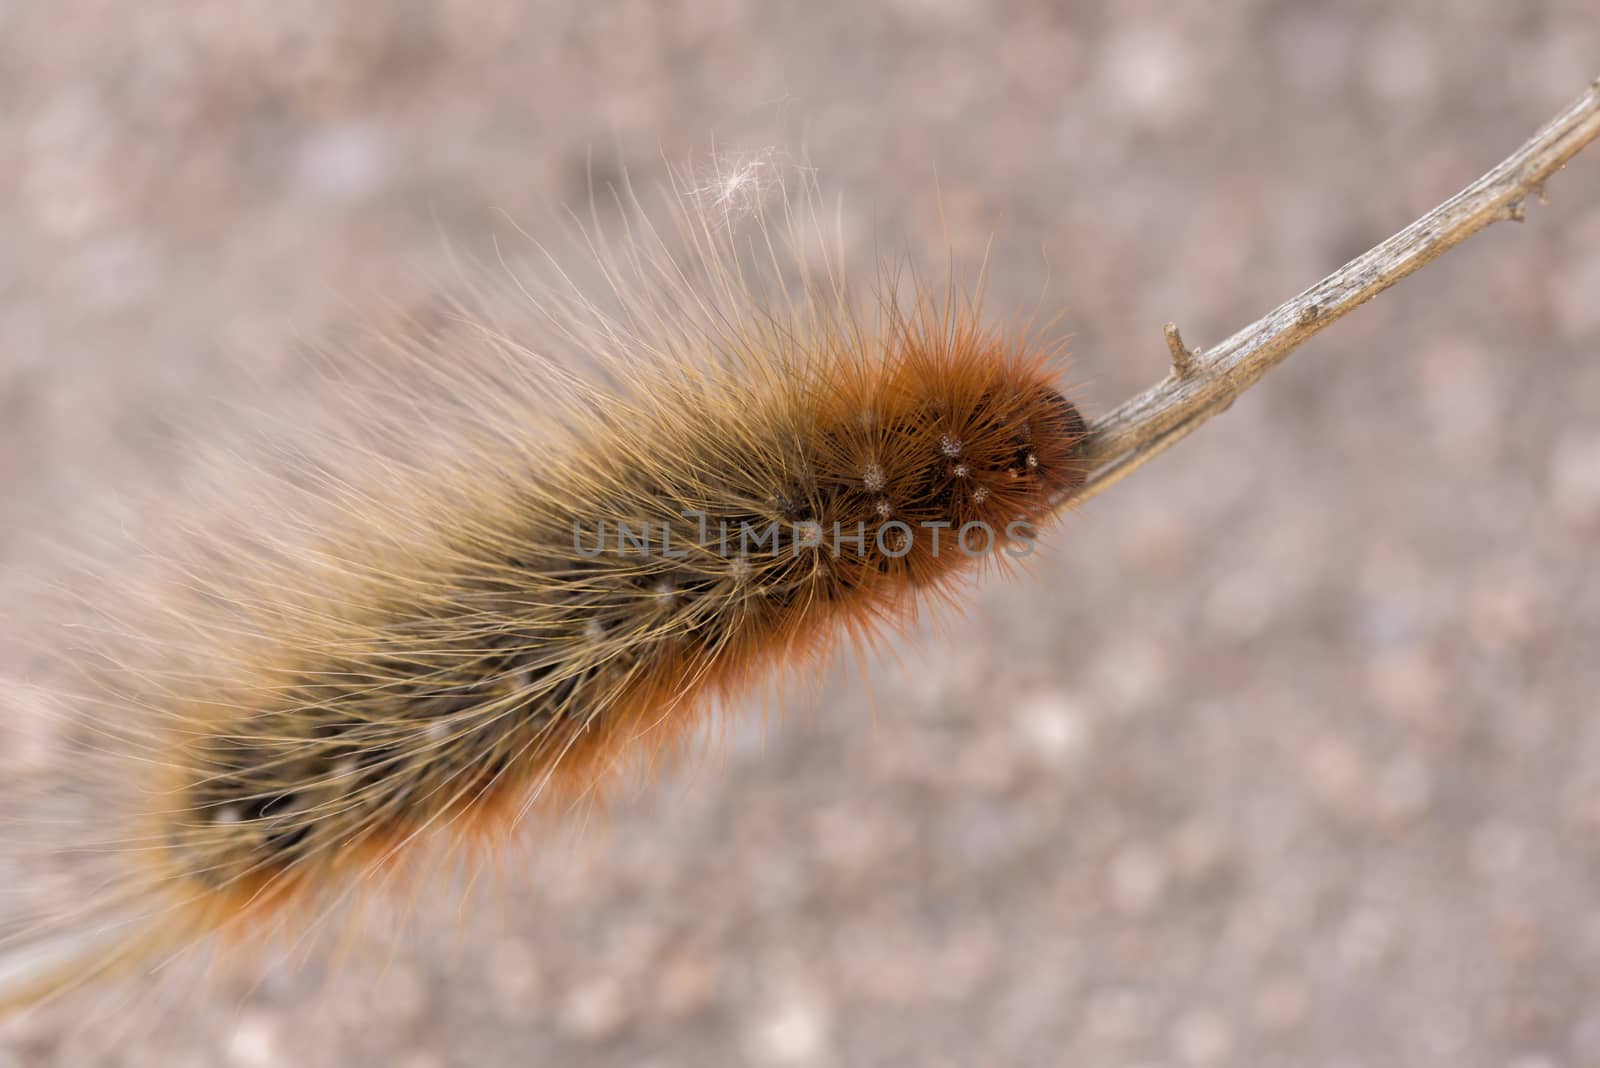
[49,966]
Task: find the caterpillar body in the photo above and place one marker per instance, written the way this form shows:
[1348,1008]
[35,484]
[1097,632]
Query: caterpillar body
[758,460]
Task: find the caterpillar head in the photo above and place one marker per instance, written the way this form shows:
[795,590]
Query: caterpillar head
[957,447]
[1004,455]
[980,438]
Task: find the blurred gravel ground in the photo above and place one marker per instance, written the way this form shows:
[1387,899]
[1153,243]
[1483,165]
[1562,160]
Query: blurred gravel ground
[1284,753]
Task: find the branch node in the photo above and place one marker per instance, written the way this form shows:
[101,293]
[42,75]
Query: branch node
[1515,210]
[1184,359]
[1309,314]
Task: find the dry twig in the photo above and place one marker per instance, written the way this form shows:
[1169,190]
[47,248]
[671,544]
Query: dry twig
[1203,383]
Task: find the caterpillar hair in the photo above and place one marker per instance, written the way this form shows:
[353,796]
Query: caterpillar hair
[534,555]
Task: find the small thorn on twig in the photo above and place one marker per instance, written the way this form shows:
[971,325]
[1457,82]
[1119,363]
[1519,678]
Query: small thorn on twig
[1184,359]
[1515,212]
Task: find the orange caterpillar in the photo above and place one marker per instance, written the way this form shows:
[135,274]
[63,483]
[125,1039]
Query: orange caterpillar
[507,614]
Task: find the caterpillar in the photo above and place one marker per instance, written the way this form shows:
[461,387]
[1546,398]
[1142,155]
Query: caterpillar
[555,548]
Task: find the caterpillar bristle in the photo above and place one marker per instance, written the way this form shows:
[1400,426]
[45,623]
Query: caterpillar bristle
[535,554]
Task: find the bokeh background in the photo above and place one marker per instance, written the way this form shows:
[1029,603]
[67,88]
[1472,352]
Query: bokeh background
[1286,751]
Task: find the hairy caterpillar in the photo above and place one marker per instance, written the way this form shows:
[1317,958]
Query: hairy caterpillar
[569,542]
